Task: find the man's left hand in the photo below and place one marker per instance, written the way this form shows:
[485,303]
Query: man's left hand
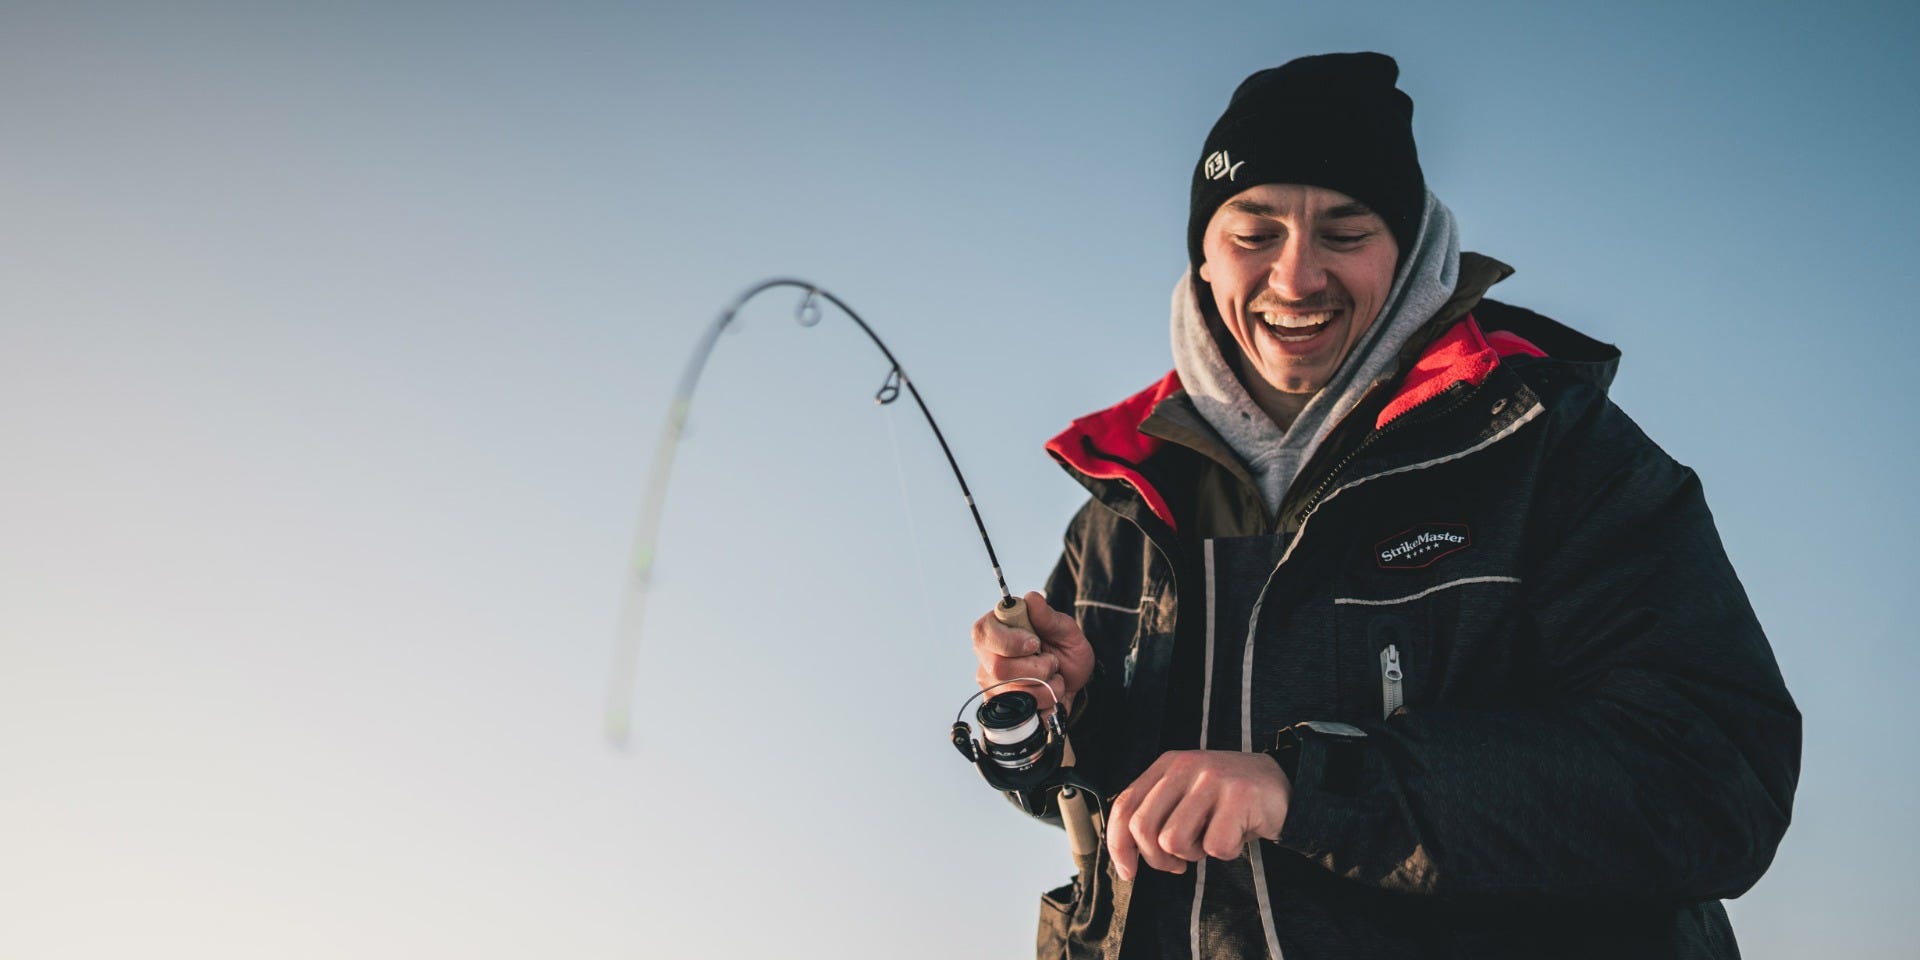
[1196,803]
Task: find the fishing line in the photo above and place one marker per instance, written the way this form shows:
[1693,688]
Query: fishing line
[619,718]
[913,532]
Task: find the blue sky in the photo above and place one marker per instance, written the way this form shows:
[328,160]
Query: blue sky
[334,344]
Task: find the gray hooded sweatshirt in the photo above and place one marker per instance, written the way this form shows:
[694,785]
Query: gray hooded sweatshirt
[1274,454]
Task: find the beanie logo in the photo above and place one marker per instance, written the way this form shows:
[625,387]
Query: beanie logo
[1220,165]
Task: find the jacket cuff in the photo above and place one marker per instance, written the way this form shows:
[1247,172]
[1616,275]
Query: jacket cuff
[1326,763]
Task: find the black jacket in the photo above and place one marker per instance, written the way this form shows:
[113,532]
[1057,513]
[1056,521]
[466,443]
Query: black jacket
[1594,743]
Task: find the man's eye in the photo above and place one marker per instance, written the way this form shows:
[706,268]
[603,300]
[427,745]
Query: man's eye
[1346,239]
[1252,239]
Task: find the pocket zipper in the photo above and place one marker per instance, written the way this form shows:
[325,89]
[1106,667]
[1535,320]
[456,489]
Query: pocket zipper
[1391,696]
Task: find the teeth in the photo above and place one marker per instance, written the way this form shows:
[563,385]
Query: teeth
[1295,321]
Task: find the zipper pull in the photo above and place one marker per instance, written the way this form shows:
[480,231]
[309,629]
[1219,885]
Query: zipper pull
[1391,696]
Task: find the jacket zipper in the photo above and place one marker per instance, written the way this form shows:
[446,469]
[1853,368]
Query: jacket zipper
[1391,676]
[1368,440]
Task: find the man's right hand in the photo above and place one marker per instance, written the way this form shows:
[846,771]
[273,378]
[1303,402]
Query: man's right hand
[1056,652]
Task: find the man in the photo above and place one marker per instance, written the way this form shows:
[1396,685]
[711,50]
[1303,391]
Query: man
[1385,632]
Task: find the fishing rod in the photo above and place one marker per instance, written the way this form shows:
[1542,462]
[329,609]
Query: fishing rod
[619,719]
[1022,751]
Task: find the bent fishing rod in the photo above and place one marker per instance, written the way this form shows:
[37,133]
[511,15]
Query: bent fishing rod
[619,719]
[1023,751]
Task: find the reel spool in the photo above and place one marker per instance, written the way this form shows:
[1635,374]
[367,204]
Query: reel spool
[1019,751]
[1015,738]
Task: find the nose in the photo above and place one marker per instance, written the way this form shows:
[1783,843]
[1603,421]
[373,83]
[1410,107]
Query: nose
[1297,273]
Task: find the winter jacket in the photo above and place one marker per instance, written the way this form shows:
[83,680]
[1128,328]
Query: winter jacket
[1532,712]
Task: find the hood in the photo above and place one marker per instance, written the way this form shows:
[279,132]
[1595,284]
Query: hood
[1108,444]
[1579,356]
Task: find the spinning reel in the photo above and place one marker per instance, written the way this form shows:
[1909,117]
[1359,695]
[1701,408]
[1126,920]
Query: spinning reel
[1028,757]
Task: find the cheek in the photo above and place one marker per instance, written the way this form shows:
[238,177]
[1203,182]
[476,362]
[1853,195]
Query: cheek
[1220,274]
[1227,290]
[1369,283]
[1380,271]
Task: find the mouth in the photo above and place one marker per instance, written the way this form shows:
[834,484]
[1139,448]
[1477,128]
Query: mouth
[1296,327]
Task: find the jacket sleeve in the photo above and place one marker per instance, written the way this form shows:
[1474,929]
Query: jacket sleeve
[1094,706]
[1658,759]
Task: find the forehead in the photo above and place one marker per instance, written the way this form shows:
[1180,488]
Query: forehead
[1293,201]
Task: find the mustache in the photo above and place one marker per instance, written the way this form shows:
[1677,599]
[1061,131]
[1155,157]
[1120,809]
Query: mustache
[1269,302]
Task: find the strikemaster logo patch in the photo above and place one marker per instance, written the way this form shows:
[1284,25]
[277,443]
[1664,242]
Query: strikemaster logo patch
[1421,545]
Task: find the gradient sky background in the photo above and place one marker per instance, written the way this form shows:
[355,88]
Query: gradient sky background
[335,339]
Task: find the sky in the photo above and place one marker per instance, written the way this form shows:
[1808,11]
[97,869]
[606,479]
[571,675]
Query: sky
[335,340]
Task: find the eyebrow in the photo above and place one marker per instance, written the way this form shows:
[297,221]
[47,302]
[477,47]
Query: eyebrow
[1345,211]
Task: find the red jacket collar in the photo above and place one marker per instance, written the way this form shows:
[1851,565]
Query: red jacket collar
[1108,445]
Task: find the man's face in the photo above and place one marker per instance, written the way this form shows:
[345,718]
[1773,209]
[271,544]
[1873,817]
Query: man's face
[1299,273]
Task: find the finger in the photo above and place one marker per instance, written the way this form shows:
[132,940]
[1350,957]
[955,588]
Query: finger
[1007,668]
[1227,833]
[1120,841]
[1146,823]
[997,674]
[991,637]
[1050,699]
[1056,629]
[1181,834]
[1061,634]
[1047,622]
[1120,846]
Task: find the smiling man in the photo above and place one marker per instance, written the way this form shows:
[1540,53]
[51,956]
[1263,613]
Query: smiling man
[1298,274]
[1384,631]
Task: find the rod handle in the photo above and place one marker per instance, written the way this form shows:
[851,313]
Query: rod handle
[1076,814]
[1012,611]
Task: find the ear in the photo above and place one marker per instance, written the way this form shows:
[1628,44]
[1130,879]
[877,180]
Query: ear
[1205,273]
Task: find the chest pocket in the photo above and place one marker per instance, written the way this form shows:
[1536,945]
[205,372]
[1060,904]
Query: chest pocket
[1446,642]
[1386,659]
[1115,630]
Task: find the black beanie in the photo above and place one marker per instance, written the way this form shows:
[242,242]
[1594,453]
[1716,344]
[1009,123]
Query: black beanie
[1335,121]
